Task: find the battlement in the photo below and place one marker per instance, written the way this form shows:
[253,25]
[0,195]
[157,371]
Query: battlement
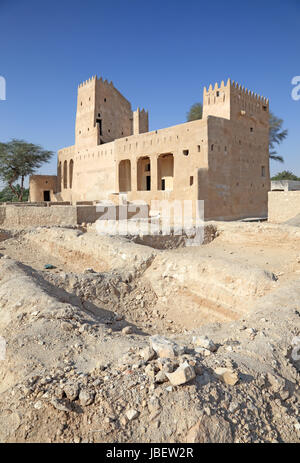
[142,111]
[101,83]
[238,89]
[235,88]
[231,100]
[87,82]
[140,121]
[95,80]
[103,113]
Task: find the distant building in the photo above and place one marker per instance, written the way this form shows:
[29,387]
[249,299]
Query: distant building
[285,185]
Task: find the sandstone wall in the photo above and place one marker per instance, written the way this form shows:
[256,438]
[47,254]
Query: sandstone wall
[40,183]
[32,216]
[237,182]
[283,205]
[35,215]
[222,159]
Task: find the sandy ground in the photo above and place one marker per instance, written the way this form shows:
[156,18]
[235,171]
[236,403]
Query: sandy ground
[65,332]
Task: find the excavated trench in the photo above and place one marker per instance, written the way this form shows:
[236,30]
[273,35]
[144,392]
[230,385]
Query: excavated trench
[153,282]
[175,240]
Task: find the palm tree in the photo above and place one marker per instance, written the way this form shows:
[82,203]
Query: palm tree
[276,136]
[195,112]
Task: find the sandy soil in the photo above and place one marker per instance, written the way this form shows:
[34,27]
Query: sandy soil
[83,325]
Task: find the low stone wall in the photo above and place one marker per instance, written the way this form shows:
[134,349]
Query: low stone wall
[23,215]
[12,216]
[283,205]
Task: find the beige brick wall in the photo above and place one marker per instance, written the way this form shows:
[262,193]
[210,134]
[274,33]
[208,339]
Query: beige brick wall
[35,216]
[40,183]
[283,205]
[222,159]
[26,216]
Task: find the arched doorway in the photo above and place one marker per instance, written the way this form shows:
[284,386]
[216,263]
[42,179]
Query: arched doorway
[165,172]
[125,176]
[144,174]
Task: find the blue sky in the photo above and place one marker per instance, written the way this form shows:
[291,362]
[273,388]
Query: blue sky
[159,54]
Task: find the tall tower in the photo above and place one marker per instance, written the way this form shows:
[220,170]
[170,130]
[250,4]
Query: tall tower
[85,125]
[103,114]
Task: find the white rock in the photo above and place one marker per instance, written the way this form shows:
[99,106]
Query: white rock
[38,405]
[227,375]
[182,375]
[205,342]
[233,407]
[160,377]
[86,398]
[132,414]
[202,351]
[147,354]
[165,348]
[127,330]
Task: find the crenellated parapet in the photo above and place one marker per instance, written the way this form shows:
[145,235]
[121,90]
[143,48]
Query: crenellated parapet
[140,121]
[87,82]
[232,100]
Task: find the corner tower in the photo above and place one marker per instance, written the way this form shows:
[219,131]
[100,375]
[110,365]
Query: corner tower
[232,101]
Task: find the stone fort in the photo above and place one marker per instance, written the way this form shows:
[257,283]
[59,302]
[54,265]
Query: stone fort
[222,158]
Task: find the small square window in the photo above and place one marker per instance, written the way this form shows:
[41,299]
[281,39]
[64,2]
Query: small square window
[185,152]
[251,129]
